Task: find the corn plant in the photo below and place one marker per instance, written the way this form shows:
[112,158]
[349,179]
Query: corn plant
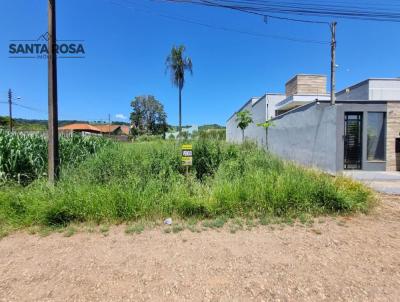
[23,157]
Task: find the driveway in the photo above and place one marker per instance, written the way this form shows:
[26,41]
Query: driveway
[385,182]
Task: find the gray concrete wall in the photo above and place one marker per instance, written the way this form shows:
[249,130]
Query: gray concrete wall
[306,135]
[358,92]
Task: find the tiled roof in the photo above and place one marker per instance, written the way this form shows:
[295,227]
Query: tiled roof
[125,130]
[79,127]
[107,128]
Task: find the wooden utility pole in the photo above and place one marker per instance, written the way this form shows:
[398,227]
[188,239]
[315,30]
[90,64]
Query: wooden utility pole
[10,109]
[109,125]
[53,157]
[333,62]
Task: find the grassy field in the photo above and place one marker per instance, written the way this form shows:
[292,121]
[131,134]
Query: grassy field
[145,181]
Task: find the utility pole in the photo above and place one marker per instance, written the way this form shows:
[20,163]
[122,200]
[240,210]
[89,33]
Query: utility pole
[10,108]
[333,62]
[53,157]
[109,125]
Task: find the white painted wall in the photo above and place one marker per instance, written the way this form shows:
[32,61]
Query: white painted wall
[261,109]
[233,133]
[372,90]
[384,90]
[272,101]
[259,114]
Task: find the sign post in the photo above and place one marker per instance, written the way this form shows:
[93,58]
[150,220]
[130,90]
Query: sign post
[187,157]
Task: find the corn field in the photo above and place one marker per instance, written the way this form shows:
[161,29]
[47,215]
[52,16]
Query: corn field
[23,157]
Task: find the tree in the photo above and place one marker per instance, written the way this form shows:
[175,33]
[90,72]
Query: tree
[178,64]
[148,116]
[244,119]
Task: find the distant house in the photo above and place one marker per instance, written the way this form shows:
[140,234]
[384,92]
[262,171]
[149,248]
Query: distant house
[87,129]
[126,130]
[79,128]
[109,129]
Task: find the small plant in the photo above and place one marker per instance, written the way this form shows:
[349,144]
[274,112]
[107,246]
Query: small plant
[70,231]
[289,221]
[306,219]
[104,229]
[250,223]
[215,223]
[233,228]
[238,222]
[266,124]
[244,119]
[193,229]
[177,228]
[45,231]
[265,220]
[167,230]
[3,233]
[135,229]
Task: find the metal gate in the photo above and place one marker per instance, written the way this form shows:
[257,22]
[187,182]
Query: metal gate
[352,140]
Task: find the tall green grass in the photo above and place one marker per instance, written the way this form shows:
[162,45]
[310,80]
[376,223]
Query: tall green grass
[127,182]
[23,158]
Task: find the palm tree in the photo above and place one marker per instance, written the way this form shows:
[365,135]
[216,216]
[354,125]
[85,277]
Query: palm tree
[178,64]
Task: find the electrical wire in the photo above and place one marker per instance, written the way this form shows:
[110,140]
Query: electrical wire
[24,106]
[222,28]
[313,9]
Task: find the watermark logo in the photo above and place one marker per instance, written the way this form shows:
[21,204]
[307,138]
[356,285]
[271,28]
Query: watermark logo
[38,48]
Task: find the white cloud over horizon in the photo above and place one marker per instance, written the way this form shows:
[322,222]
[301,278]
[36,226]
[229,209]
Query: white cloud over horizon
[120,116]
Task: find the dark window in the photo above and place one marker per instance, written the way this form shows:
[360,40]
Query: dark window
[376,136]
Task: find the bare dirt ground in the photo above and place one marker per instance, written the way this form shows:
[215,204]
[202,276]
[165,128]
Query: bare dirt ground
[352,259]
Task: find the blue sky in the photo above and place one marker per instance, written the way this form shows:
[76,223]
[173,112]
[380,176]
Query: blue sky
[127,41]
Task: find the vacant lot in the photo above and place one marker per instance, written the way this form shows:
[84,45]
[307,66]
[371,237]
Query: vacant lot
[355,259]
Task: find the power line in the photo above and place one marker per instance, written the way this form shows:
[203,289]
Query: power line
[24,106]
[279,8]
[222,28]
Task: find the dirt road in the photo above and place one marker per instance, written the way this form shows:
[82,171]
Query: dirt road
[355,260]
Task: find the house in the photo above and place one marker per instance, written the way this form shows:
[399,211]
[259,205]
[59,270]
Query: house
[109,129]
[87,129]
[82,128]
[126,130]
[359,132]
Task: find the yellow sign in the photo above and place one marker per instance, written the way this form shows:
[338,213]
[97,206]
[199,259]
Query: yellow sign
[187,155]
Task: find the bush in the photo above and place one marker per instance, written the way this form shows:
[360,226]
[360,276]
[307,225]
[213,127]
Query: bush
[126,182]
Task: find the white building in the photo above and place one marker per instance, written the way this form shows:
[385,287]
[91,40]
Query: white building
[300,90]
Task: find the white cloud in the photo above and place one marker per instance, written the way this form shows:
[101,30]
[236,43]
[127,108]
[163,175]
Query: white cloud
[120,116]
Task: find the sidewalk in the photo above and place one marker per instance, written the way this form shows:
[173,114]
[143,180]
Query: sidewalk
[381,181]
